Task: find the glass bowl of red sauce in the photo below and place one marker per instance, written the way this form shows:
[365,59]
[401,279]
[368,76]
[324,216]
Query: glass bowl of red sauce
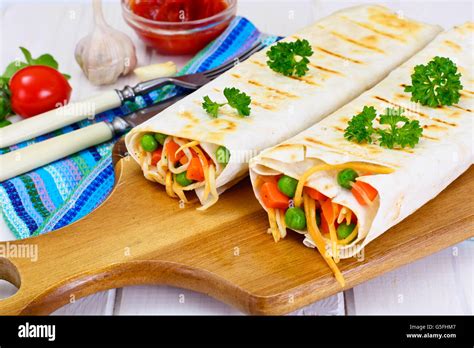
[178,26]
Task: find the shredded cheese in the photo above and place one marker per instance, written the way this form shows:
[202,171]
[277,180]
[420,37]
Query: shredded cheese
[333,235]
[342,215]
[205,168]
[348,217]
[213,188]
[372,168]
[310,212]
[273,224]
[179,191]
[187,145]
[168,185]
[281,222]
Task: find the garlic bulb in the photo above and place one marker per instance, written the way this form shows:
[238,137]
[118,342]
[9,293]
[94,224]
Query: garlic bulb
[106,53]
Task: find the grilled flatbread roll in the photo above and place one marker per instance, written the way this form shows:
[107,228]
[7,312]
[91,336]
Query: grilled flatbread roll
[392,183]
[353,49]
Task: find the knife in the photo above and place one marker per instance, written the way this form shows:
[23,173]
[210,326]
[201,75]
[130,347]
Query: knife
[37,155]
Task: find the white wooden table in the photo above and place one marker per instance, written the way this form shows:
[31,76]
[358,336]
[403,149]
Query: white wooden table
[440,284]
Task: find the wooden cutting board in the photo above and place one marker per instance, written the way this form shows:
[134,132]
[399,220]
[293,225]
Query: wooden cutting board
[141,236]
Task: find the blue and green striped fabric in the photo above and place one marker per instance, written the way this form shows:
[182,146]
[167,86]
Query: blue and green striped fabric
[64,191]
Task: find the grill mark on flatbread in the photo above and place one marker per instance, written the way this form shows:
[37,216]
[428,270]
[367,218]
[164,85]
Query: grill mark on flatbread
[227,125]
[322,68]
[453,45]
[189,116]
[237,76]
[356,42]
[416,112]
[345,151]
[374,30]
[263,106]
[337,55]
[305,80]
[256,62]
[444,122]
[428,137]
[401,96]
[434,127]
[339,129]
[460,107]
[392,20]
[284,93]
[344,120]
[466,93]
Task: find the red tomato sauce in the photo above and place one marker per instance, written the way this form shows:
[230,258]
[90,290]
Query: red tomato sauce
[179,11]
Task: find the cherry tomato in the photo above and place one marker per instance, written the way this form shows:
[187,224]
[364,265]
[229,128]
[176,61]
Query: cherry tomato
[37,89]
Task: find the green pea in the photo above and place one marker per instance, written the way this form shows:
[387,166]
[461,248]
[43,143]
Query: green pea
[287,185]
[318,218]
[222,155]
[149,143]
[346,176]
[295,218]
[182,180]
[160,138]
[343,230]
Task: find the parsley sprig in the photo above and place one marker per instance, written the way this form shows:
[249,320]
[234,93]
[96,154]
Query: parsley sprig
[399,132]
[290,58]
[360,128]
[436,83]
[235,99]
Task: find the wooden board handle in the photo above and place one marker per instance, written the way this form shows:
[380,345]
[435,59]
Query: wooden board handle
[48,271]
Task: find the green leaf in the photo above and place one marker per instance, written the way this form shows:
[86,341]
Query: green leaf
[290,58]
[47,60]
[4,123]
[238,100]
[5,104]
[360,128]
[407,135]
[435,84]
[12,68]
[27,55]
[211,107]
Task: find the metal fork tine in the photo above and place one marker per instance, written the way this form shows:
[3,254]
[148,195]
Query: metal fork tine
[220,69]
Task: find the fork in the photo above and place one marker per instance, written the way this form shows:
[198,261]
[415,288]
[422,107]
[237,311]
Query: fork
[78,111]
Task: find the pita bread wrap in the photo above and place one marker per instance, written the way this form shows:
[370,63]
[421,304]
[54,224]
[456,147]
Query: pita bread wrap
[353,49]
[405,179]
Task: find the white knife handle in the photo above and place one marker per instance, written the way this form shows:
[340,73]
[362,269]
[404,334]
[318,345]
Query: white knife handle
[58,118]
[37,155]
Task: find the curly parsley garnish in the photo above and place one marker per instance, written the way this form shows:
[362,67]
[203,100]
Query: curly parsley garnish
[401,131]
[360,128]
[290,58]
[235,99]
[408,134]
[435,84]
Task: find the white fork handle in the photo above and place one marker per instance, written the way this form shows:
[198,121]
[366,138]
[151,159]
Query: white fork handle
[37,155]
[58,118]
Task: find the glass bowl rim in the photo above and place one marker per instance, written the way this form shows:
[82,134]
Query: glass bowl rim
[228,11]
